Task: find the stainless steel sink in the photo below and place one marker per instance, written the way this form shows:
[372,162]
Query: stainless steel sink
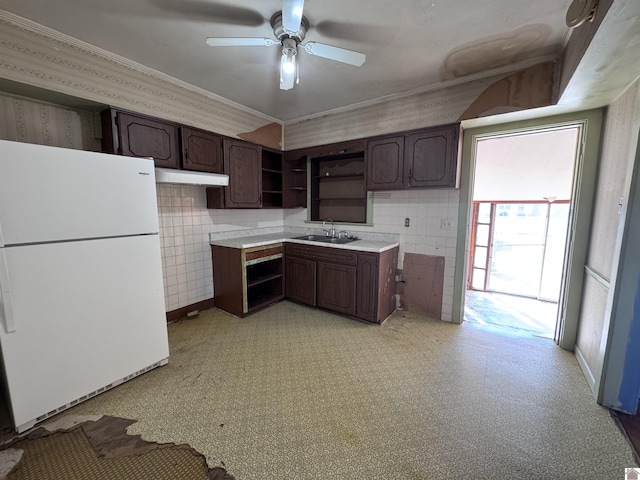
[325,239]
[313,238]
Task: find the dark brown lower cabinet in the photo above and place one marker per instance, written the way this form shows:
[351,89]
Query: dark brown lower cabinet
[300,280]
[355,283]
[376,285]
[249,279]
[337,287]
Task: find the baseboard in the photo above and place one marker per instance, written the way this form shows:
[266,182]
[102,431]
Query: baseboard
[588,375]
[182,312]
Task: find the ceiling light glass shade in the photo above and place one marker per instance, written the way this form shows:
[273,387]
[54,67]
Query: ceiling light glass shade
[288,69]
[289,65]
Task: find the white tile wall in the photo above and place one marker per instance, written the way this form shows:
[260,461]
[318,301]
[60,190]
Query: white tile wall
[185,223]
[426,210]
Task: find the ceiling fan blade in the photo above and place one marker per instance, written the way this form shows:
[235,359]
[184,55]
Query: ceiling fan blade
[208,11]
[335,53]
[292,15]
[239,42]
[358,32]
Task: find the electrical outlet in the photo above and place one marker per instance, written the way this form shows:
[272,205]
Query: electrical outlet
[446,224]
[406,222]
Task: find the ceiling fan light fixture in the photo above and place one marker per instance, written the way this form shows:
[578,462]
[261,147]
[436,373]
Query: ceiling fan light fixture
[290,28]
[288,67]
[289,61]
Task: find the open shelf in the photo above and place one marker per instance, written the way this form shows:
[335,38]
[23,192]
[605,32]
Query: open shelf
[271,178]
[262,279]
[340,176]
[295,183]
[337,188]
[339,199]
[265,282]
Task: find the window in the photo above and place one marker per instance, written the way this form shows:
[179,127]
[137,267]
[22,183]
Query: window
[338,189]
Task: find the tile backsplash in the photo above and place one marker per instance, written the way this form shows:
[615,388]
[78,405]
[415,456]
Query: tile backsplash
[185,224]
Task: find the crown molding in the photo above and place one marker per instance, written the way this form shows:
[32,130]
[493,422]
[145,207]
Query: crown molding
[61,38]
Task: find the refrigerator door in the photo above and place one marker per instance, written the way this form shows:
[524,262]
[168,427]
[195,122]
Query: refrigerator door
[52,194]
[86,314]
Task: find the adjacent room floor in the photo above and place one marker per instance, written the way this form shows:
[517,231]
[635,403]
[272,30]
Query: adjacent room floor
[510,314]
[293,392]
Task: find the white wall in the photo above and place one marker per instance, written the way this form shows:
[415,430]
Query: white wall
[604,260]
[29,121]
[426,209]
[526,167]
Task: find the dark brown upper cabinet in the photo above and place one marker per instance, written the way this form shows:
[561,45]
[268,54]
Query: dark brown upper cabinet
[419,159]
[140,136]
[385,163]
[430,157]
[201,150]
[243,164]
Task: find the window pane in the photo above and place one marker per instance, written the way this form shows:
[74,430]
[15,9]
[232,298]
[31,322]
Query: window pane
[480,257]
[482,235]
[477,282]
[554,255]
[484,213]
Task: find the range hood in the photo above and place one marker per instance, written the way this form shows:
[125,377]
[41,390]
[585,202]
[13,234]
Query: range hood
[185,177]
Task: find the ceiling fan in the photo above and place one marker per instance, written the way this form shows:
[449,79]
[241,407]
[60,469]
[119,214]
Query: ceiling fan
[289,28]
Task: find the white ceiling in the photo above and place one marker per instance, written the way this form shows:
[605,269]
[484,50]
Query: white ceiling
[411,45]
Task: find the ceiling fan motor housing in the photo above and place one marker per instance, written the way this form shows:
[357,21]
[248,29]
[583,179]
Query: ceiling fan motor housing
[282,34]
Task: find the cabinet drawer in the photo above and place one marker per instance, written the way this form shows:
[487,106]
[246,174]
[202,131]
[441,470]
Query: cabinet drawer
[263,253]
[324,254]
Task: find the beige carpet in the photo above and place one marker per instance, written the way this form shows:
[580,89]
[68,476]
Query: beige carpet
[297,393]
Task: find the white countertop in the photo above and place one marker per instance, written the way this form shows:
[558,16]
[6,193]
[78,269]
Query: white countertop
[266,239]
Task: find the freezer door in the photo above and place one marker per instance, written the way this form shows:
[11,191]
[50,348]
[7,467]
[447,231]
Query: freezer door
[52,194]
[86,314]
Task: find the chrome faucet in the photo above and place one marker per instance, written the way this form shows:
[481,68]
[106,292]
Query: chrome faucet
[330,233]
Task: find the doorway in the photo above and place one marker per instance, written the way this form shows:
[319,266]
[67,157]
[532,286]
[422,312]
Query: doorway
[517,241]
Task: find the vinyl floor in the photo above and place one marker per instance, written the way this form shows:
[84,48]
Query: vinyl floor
[297,393]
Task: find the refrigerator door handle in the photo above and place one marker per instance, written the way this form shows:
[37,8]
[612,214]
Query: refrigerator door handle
[6,304]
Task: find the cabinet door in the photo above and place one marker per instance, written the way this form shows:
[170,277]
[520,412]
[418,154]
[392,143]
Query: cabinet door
[384,161]
[300,280]
[367,287]
[143,137]
[243,164]
[201,151]
[430,157]
[337,288]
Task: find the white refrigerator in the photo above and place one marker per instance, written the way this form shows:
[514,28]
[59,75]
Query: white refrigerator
[81,293]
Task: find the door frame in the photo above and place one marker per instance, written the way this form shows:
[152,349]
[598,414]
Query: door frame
[590,124]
